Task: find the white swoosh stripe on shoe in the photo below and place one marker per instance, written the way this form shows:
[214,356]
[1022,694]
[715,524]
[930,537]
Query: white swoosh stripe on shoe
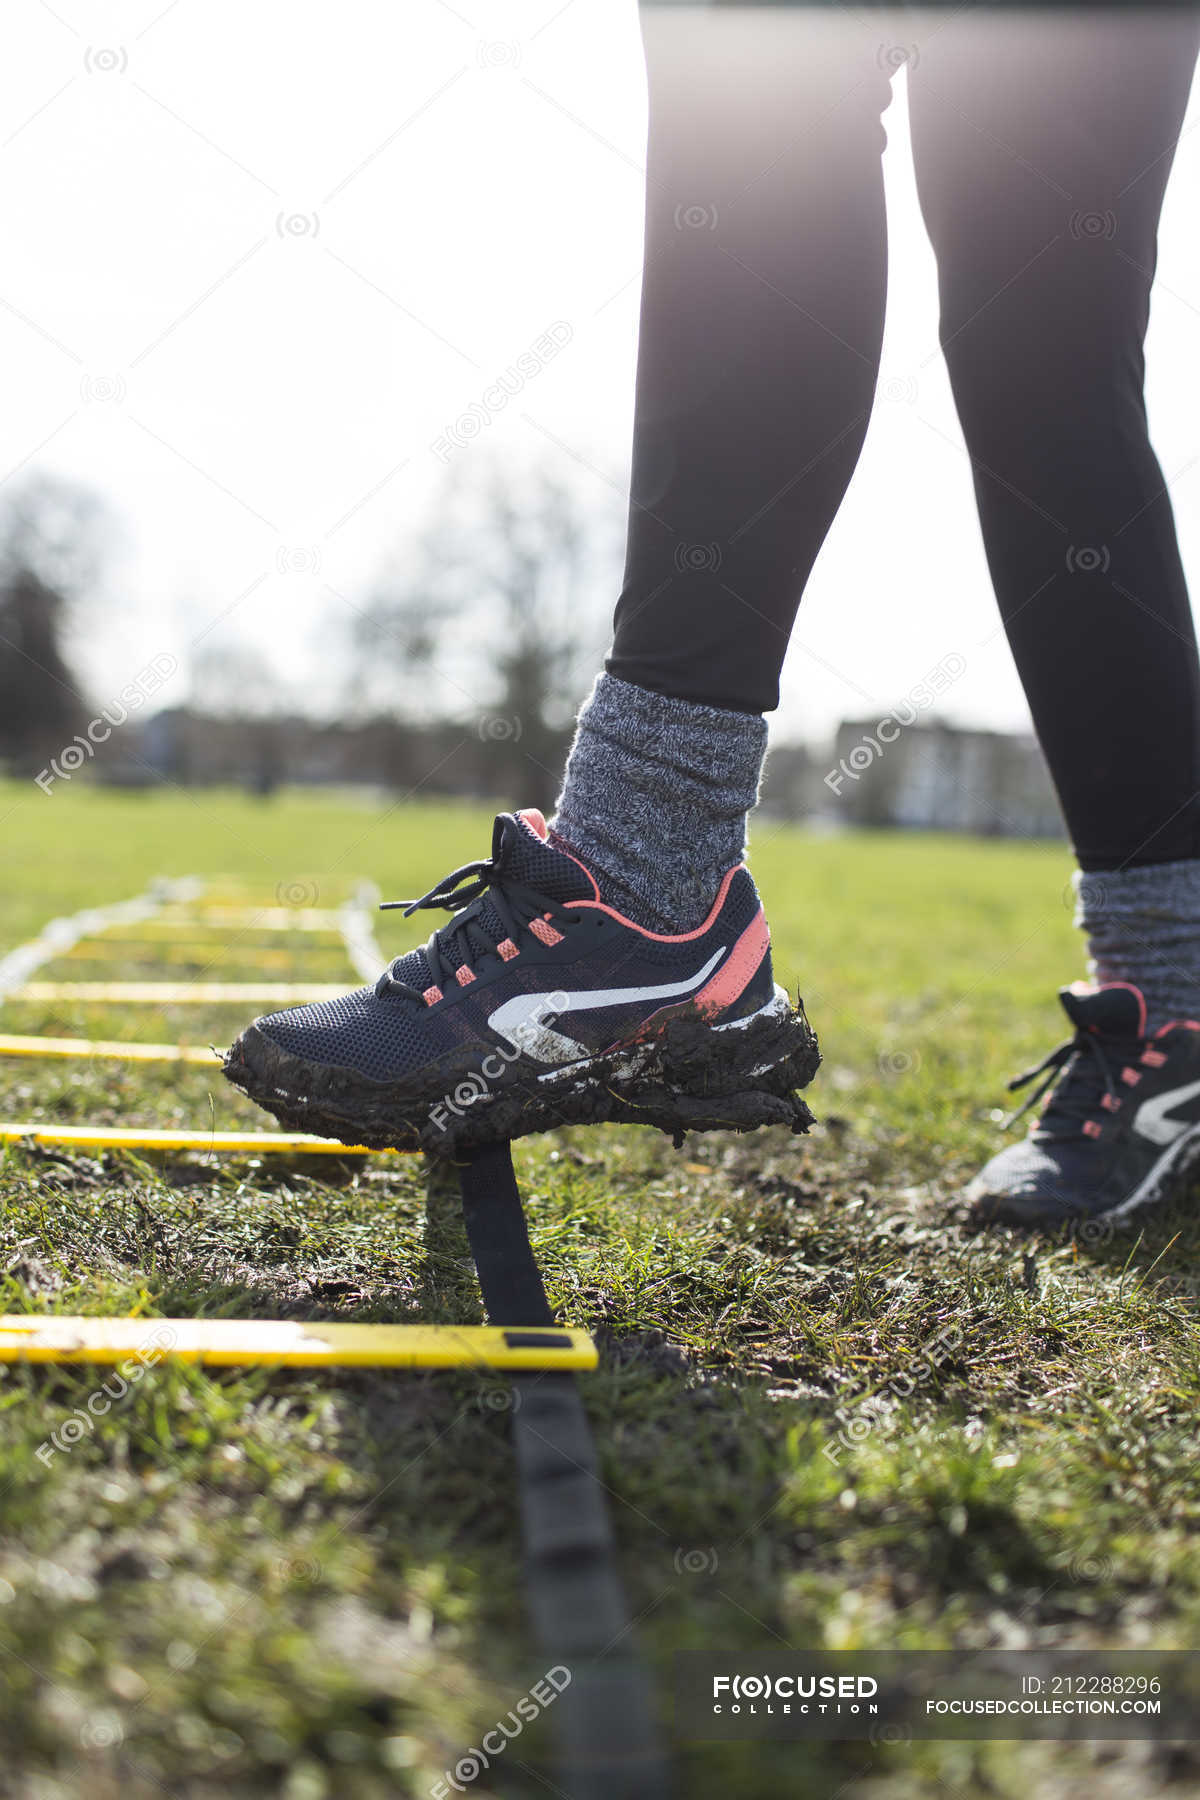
[518,1019]
[1151,1121]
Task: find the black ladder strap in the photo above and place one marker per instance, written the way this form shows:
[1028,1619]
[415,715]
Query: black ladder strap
[607,1731]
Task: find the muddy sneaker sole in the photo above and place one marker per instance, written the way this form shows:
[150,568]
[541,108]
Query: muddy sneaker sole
[691,1076]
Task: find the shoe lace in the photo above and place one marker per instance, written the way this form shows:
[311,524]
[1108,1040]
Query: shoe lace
[462,893]
[1076,1069]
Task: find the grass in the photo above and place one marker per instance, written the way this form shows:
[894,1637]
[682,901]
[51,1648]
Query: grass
[305,1586]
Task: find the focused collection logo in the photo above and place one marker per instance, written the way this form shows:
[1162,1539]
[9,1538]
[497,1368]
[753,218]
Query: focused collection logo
[799,1693]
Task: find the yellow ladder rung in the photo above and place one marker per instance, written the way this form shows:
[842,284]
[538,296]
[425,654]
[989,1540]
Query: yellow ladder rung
[264,918]
[108,950]
[183,993]
[103,1137]
[165,932]
[104,1051]
[291,1343]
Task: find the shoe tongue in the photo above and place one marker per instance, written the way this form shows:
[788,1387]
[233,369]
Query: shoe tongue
[1115,1010]
[527,851]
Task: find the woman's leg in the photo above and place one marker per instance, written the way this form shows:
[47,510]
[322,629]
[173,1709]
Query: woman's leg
[1043,146]
[761,321]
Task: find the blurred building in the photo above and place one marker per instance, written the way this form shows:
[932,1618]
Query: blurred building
[933,776]
[924,776]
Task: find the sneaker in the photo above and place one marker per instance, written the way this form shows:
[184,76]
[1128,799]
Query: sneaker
[537,1005]
[1121,1127]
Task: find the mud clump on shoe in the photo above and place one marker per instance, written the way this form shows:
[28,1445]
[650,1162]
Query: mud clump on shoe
[680,1082]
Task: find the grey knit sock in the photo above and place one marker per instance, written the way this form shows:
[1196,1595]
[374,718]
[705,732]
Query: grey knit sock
[655,799]
[1143,925]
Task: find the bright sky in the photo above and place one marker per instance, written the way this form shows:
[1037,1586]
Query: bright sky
[258,258]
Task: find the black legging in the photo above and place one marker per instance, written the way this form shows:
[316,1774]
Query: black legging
[1042,147]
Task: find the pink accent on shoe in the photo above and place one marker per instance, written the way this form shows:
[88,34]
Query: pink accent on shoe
[1092,1127]
[432,995]
[737,969]
[1110,1103]
[508,950]
[721,991]
[1130,1077]
[464,976]
[547,933]
[1155,1058]
[1177,1025]
[536,822]
[663,937]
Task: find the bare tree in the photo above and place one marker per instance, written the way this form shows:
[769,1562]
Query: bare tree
[51,541]
[496,616]
[233,680]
